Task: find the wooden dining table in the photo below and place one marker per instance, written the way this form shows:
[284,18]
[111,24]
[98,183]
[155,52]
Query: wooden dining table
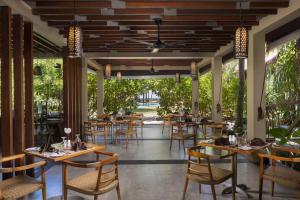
[69,154]
[242,188]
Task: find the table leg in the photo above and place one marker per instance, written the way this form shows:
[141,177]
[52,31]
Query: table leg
[240,188]
[195,135]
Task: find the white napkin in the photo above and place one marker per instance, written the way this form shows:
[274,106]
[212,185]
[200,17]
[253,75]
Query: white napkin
[245,148]
[33,149]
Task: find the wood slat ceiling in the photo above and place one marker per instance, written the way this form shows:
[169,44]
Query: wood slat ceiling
[148,62]
[202,26]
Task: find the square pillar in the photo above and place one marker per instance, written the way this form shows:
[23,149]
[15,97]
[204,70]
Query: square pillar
[84,89]
[255,78]
[216,69]
[6,84]
[100,91]
[195,93]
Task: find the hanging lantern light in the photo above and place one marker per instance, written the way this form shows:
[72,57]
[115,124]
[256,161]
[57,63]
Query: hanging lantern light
[177,77]
[194,72]
[119,76]
[241,43]
[74,37]
[74,41]
[107,71]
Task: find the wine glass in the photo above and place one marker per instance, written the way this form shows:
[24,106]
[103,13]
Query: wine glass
[67,131]
[63,143]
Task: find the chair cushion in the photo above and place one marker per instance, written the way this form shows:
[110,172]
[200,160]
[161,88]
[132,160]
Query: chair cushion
[87,183]
[284,175]
[19,186]
[200,173]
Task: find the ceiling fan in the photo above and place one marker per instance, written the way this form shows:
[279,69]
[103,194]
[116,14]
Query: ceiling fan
[158,45]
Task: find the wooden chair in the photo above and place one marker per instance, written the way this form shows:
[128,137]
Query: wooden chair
[277,172]
[89,130]
[101,129]
[128,132]
[20,184]
[103,116]
[139,120]
[214,127]
[205,173]
[103,179]
[167,121]
[178,133]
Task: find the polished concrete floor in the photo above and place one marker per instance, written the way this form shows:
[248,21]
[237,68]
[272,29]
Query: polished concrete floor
[149,171]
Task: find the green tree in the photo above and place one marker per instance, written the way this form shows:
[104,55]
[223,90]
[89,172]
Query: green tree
[48,86]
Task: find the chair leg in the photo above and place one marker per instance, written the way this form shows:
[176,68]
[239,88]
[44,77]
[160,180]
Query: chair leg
[105,138]
[171,140]
[179,144]
[213,191]
[162,132]
[65,193]
[118,192]
[95,197]
[185,188]
[261,182]
[183,145]
[44,192]
[199,188]
[272,188]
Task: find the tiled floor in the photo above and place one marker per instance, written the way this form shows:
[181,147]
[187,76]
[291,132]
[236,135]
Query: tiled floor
[149,171]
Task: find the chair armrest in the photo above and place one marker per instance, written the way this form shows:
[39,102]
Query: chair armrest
[24,167]
[228,155]
[10,158]
[82,165]
[104,153]
[278,158]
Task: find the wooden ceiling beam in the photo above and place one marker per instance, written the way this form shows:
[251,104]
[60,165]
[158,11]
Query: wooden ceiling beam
[147,23]
[171,18]
[202,4]
[70,4]
[151,11]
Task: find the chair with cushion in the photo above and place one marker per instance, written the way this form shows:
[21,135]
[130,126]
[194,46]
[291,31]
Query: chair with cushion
[20,184]
[103,179]
[205,173]
[277,172]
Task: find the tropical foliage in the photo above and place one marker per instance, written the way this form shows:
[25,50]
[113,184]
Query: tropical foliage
[48,86]
[283,86]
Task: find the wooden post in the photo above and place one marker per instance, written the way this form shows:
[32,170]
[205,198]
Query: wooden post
[29,113]
[72,95]
[6,85]
[18,47]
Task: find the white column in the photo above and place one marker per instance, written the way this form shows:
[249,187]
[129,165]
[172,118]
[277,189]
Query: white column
[255,77]
[216,68]
[100,91]
[195,93]
[84,90]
